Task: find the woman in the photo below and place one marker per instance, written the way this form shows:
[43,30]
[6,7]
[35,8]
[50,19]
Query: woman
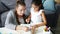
[16,17]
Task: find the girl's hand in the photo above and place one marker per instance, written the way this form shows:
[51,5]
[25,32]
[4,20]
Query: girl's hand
[32,28]
[27,20]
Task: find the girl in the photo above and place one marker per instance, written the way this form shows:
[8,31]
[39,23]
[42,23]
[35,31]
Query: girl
[16,17]
[37,15]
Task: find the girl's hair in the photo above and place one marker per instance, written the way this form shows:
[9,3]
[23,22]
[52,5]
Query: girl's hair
[19,2]
[37,3]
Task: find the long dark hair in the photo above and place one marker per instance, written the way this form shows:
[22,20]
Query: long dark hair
[37,3]
[17,4]
[21,0]
[20,3]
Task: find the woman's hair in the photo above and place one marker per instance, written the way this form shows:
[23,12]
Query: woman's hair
[37,3]
[19,2]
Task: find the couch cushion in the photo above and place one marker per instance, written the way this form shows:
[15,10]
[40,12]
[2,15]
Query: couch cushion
[2,7]
[49,12]
[28,6]
[49,5]
[28,3]
[10,3]
[3,17]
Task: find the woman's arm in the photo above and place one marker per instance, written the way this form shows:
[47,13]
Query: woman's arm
[9,21]
[18,27]
[41,23]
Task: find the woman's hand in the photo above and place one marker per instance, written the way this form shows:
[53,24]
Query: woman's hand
[25,29]
[18,27]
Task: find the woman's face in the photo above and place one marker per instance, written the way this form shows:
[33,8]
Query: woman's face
[20,10]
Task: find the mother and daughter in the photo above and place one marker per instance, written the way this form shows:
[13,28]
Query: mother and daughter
[17,16]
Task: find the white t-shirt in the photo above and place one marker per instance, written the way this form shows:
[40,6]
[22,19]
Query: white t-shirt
[36,17]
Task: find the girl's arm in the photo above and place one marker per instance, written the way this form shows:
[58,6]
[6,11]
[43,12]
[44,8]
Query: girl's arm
[41,23]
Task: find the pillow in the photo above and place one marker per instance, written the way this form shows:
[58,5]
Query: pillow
[9,3]
[49,5]
[57,1]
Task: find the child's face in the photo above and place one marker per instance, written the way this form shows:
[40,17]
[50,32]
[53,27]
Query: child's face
[20,10]
[36,8]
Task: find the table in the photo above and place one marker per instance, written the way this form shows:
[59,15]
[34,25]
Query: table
[39,31]
[9,31]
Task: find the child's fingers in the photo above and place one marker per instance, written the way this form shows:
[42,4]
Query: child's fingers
[32,28]
[27,20]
